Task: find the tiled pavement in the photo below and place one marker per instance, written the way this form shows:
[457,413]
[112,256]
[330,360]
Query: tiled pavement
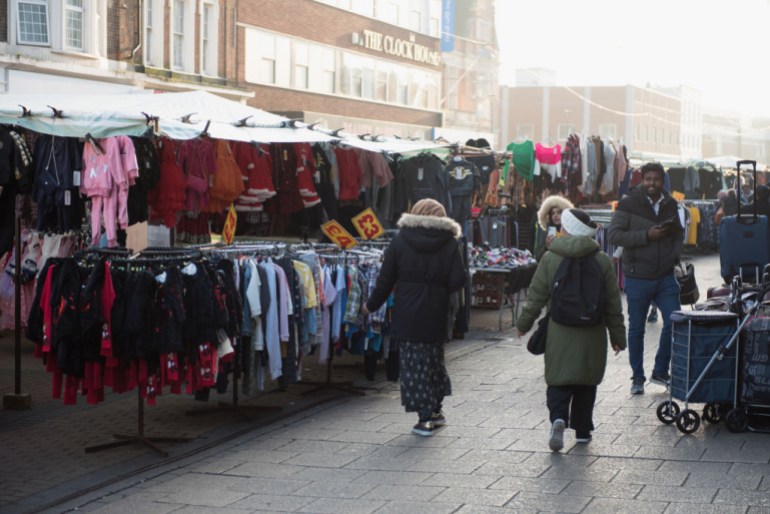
[355,454]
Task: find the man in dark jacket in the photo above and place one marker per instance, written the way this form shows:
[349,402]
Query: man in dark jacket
[648,226]
[425,265]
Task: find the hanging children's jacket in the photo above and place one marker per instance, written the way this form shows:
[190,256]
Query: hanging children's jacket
[109,168]
[56,160]
[421,177]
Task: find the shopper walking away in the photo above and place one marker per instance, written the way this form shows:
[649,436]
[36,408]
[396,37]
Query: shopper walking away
[648,226]
[549,222]
[575,356]
[425,264]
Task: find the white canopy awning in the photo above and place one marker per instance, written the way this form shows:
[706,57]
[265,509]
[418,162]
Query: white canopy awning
[391,145]
[179,116]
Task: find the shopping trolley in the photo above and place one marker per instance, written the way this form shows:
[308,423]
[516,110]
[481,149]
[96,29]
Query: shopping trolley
[703,367]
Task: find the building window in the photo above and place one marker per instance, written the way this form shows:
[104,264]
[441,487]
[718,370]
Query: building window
[381,87]
[177,48]
[388,12]
[301,76]
[365,7]
[608,131]
[73,20]
[301,66]
[153,36]
[525,130]
[267,70]
[33,22]
[209,32]
[564,130]
[434,18]
[416,21]
[327,84]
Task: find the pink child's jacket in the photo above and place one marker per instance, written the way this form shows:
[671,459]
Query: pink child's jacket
[111,172]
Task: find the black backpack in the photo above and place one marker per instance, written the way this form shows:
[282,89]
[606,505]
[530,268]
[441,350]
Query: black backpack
[577,292]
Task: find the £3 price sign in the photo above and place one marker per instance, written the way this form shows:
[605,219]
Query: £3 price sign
[338,234]
[368,225]
[228,231]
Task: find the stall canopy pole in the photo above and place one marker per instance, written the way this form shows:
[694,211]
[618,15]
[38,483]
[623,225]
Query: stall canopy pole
[17,401]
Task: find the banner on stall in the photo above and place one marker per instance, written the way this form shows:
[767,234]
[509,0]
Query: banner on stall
[338,235]
[367,224]
[228,231]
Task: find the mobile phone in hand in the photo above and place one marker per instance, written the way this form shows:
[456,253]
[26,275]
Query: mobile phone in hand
[551,231]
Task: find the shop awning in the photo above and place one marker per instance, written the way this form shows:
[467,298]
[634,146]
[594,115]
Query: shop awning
[179,116]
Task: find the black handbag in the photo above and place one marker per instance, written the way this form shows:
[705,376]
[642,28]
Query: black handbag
[688,287]
[536,343]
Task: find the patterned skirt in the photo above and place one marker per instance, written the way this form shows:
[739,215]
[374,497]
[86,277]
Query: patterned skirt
[424,379]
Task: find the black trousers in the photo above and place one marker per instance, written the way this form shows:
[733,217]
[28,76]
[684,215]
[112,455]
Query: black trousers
[574,404]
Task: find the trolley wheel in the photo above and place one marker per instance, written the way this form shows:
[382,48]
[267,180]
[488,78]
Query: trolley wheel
[667,412]
[713,413]
[688,421]
[737,420]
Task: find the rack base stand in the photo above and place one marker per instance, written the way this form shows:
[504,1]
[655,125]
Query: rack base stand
[138,438]
[343,387]
[17,401]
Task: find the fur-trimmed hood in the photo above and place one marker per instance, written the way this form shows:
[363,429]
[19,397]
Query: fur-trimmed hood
[432,222]
[548,204]
[428,234]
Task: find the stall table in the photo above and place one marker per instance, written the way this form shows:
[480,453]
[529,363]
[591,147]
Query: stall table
[497,286]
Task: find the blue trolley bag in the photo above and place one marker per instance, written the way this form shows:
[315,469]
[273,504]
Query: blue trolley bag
[744,239]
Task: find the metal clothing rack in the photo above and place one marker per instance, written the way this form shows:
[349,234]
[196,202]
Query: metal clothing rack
[139,437]
[246,249]
[346,386]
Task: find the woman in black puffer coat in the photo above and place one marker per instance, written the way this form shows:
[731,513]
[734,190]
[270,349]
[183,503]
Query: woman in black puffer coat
[425,264]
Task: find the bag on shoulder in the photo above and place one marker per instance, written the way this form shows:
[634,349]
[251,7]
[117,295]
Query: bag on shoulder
[688,287]
[536,343]
[577,292]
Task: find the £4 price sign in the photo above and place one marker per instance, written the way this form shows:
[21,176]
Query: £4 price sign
[368,225]
[338,234]
[228,231]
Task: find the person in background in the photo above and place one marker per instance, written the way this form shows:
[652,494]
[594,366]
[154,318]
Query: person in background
[575,357]
[647,225]
[549,222]
[728,205]
[424,264]
[761,199]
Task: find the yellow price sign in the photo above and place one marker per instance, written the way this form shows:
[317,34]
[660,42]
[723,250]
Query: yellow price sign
[677,196]
[228,231]
[367,224]
[338,234]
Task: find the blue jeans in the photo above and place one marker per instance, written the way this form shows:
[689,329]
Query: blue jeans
[640,293]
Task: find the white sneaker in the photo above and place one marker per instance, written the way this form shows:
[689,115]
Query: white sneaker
[556,440]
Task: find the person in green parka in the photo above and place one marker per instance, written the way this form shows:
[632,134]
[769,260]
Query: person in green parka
[575,357]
